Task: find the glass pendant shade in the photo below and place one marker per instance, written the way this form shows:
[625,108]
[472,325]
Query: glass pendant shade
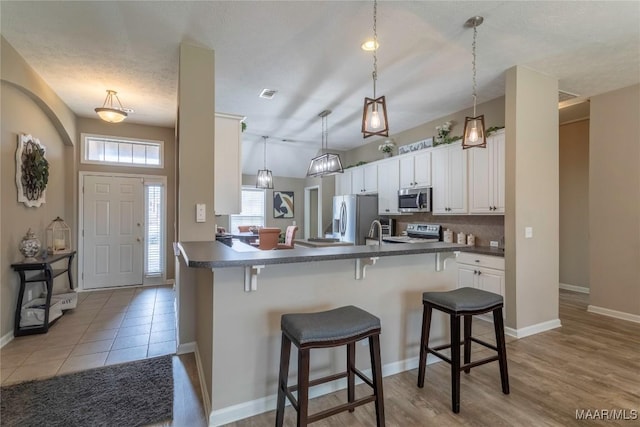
[325,165]
[374,117]
[474,134]
[108,112]
[264,179]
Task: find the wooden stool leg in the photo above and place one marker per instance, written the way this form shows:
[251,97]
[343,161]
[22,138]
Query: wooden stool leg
[351,378]
[376,372]
[424,344]
[303,387]
[285,349]
[502,349]
[467,341]
[455,363]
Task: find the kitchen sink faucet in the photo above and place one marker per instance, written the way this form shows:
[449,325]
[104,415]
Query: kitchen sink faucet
[379,224]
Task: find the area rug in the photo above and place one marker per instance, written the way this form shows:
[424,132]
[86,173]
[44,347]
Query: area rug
[131,394]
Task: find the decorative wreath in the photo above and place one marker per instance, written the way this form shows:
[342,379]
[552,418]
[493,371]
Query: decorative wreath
[32,171]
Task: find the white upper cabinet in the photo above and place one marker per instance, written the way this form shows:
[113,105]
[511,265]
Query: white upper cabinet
[415,170]
[388,185]
[364,179]
[227,164]
[343,183]
[486,177]
[449,166]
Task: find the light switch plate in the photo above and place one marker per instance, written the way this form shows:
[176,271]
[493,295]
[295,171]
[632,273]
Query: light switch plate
[528,232]
[201,212]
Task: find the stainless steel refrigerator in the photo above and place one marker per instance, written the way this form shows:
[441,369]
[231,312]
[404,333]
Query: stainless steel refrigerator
[352,217]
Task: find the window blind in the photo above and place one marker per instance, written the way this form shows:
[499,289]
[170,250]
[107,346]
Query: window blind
[252,209]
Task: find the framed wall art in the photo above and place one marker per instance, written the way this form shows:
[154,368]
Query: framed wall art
[32,171]
[283,204]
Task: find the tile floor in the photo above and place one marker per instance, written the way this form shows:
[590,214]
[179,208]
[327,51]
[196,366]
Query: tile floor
[107,327]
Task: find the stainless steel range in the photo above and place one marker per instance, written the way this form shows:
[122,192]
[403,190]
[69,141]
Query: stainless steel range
[418,233]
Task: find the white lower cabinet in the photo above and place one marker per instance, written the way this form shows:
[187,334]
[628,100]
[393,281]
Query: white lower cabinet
[388,184]
[482,272]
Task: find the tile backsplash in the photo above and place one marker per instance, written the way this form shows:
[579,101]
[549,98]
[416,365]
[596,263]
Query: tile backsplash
[484,227]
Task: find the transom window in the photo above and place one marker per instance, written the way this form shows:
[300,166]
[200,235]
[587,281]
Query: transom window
[107,150]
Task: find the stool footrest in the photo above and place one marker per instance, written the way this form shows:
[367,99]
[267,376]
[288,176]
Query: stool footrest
[440,355]
[322,380]
[444,346]
[479,362]
[340,408]
[364,378]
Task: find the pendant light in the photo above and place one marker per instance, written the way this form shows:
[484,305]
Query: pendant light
[265,177]
[474,133]
[326,163]
[108,112]
[374,115]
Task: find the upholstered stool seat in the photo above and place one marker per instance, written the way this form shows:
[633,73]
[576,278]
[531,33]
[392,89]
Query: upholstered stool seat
[333,328]
[463,302]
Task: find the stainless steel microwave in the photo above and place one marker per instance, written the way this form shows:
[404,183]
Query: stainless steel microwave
[414,199]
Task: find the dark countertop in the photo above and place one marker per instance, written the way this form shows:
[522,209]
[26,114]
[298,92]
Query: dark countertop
[217,255]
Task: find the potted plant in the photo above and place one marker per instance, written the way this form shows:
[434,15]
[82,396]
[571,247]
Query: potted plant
[387,147]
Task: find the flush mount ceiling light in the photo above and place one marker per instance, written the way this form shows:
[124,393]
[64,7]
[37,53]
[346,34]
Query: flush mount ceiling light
[265,177]
[474,134]
[112,114]
[326,163]
[374,115]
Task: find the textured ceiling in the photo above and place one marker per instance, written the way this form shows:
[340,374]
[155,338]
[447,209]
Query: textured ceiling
[309,51]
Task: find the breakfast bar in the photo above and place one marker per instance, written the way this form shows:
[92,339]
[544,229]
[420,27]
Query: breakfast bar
[244,327]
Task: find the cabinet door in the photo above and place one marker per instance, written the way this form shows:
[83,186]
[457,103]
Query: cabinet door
[498,166]
[370,178]
[457,202]
[357,180]
[406,171]
[492,281]
[466,276]
[422,169]
[481,179]
[440,169]
[228,164]
[388,184]
[343,183]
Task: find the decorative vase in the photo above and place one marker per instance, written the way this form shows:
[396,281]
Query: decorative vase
[30,246]
[387,154]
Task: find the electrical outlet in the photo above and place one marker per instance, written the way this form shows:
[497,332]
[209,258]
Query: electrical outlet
[493,243]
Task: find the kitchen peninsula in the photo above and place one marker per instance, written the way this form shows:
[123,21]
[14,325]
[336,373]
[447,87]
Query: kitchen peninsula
[238,332]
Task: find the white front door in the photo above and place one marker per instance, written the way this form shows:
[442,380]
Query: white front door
[113,212]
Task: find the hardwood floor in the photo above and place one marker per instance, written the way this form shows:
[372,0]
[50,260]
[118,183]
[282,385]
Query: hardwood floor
[591,362]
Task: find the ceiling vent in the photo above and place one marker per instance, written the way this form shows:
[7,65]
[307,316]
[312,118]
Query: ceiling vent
[268,93]
[566,96]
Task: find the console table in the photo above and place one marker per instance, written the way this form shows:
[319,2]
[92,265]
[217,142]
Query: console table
[41,270]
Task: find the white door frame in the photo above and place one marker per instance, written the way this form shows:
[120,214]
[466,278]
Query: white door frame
[80,253]
[307,210]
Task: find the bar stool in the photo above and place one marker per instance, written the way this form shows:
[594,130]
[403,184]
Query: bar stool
[333,328]
[463,302]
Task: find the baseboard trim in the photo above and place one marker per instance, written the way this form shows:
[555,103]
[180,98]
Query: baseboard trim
[574,288]
[258,406]
[533,329]
[6,339]
[203,385]
[188,347]
[614,313]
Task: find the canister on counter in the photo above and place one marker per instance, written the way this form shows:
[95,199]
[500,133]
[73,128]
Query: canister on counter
[448,236]
[462,239]
[471,240]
